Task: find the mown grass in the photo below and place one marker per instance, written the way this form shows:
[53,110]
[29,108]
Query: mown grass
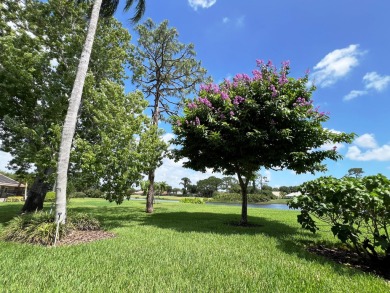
[180,248]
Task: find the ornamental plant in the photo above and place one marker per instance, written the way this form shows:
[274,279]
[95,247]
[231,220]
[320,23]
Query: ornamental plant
[357,209]
[264,120]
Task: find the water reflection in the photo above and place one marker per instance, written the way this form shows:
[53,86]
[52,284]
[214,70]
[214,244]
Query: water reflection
[278,206]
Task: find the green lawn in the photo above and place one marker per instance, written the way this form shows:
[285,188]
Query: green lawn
[180,248]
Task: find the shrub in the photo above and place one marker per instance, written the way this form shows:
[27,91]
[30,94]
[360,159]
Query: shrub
[50,196]
[195,200]
[83,222]
[36,228]
[227,197]
[236,197]
[40,227]
[16,198]
[78,194]
[358,210]
[94,193]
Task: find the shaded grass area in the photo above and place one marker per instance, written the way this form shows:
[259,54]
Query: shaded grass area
[180,248]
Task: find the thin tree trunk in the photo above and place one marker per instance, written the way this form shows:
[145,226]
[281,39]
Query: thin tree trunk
[71,116]
[150,195]
[244,194]
[37,193]
[151,175]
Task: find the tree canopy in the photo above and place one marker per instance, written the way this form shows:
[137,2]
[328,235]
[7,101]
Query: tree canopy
[38,61]
[166,71]
[267,120]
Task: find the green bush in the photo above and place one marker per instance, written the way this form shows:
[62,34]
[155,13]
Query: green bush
[78,194]
[36,228]
[40,227]
[83,222]
[195,200]
[358,210]
[94,193]
[50,196]
[16,198]
[236,197]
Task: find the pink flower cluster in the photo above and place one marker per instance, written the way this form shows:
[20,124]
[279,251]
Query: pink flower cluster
[206,102]
[192,105]
[273,89]
[210,88]
[238,100]
[302,102]
[224,96]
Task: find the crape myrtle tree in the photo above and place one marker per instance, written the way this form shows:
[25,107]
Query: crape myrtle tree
[38,61]
[105,9]
[265,120]
[166,71]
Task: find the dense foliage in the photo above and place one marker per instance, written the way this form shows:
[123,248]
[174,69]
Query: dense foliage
[267,120]
[236,197]
[40,227]
[358,210]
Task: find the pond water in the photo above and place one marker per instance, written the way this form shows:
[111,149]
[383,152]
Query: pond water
[278,206]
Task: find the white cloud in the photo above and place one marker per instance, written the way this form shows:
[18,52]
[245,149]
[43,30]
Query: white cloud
[374,81]
[171,172]
[372,151]
[195,4]
[330,146]
[366,140]
[379,154]
[354,94]
[336,65]
[167,137]
[240,22]
[4,159]
[237,22]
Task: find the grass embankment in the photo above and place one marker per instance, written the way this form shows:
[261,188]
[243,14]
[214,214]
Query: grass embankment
[180,248]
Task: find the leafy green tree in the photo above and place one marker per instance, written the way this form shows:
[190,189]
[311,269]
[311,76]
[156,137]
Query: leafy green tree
[114,160]
[166,71]
[37,67]
[185,181]
[104,8]
[267,120]
[355,172]
[144,186]
[192,189]
[175,190]
[207,187]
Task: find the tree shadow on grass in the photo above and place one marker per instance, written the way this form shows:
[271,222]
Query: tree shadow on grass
[291,240]
[9,211]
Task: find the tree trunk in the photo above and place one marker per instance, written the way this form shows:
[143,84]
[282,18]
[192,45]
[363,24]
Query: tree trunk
[71,116]
[244,194]
[37,193]
[150,195]
[151,175]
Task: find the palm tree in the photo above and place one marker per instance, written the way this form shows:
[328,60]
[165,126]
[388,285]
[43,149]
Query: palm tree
[185,182]
[104,8]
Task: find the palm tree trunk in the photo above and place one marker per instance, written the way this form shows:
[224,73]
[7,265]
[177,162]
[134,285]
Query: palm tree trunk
[71,115]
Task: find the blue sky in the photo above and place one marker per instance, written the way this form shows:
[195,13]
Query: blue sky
[345,44]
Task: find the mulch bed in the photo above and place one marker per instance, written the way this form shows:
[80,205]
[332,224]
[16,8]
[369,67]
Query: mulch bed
[380,268]
[78,237]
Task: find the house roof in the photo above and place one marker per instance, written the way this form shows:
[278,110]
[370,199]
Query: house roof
[8,182]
